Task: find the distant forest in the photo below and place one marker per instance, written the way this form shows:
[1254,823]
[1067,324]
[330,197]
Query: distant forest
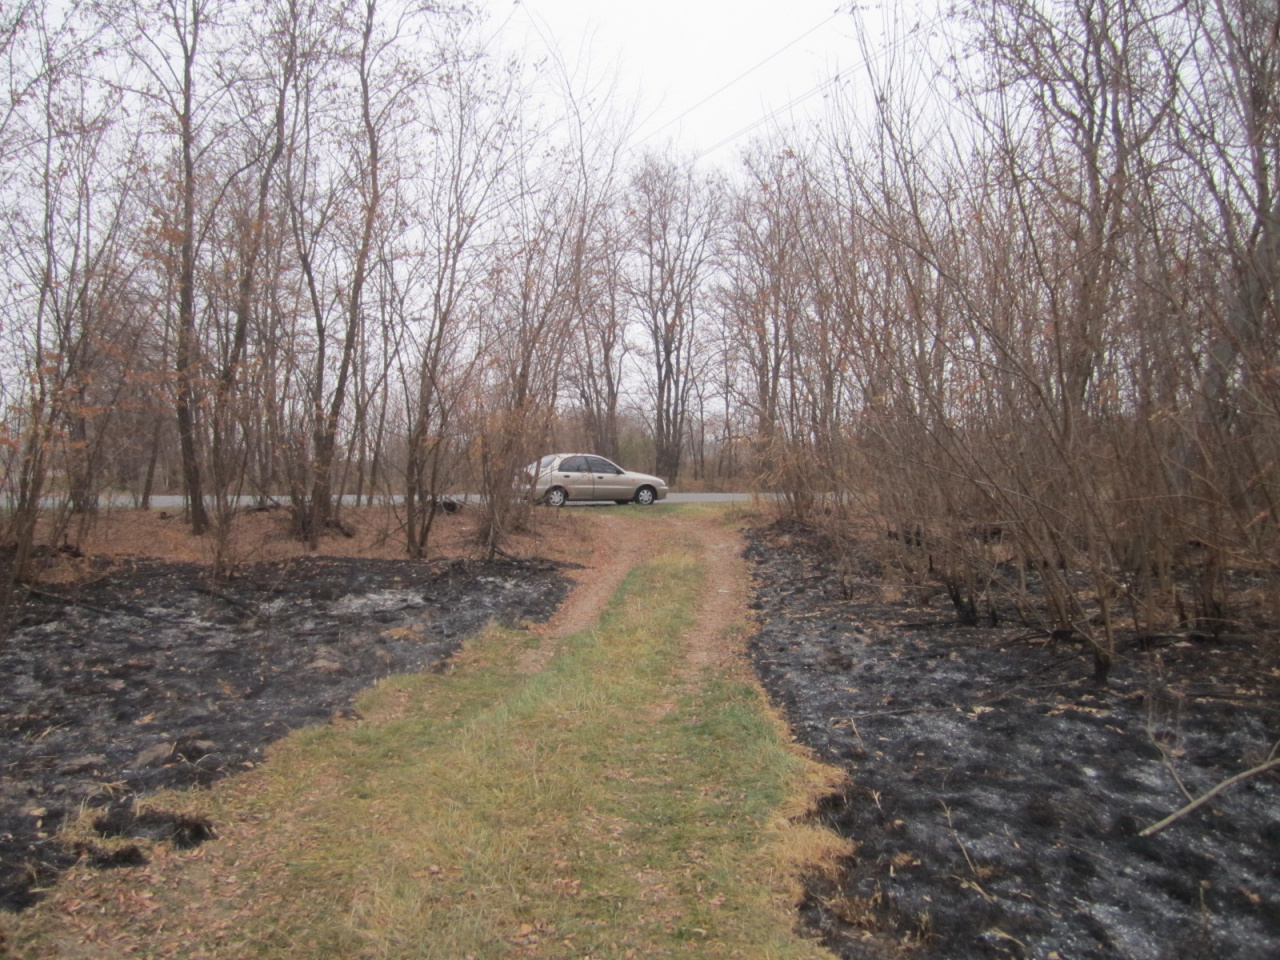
[1024,297]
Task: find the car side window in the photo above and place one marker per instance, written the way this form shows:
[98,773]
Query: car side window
[573,465]
[601,465]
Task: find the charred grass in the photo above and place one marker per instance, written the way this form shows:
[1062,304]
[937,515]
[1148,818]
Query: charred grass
[127,674]
[997,795]
[486,812]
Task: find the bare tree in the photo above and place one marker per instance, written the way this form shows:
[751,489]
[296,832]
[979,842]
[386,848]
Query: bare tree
[674,220]
[243,235]
[534,283]
[601,346]
[470,141]
[353,143]
[767,311]
[180,71]
[1228,127]
[69,311]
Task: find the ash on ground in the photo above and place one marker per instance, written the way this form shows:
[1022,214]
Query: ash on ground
[151,677]
[997,794]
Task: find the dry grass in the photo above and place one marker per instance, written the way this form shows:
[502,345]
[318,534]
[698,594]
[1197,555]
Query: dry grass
[259,536]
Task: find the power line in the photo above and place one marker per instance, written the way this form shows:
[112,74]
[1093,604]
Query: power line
[829,82]
[742,76]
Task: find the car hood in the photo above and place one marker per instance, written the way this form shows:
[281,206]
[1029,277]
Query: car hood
[657,481]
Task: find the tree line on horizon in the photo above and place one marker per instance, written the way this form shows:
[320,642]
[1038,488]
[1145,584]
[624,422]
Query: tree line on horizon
[300,248]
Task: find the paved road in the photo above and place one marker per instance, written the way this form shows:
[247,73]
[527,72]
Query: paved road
[177,503]
[708,497]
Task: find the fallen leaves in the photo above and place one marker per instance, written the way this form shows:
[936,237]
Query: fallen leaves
[531,934]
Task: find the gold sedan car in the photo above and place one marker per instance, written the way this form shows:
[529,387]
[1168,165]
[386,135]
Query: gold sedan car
[560,477]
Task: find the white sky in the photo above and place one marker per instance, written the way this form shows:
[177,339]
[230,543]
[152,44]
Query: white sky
[672,55]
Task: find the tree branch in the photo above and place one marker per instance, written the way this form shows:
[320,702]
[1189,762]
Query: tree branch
[1271,763]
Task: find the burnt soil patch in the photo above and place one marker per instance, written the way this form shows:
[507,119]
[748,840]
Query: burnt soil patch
[996,793]
[149,677]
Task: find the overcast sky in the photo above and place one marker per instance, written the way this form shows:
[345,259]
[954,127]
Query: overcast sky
[682,62]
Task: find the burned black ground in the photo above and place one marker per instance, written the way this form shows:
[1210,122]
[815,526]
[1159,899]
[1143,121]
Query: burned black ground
[996,793]
[146,676]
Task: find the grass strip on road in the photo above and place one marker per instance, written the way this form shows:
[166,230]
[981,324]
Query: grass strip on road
[608,806]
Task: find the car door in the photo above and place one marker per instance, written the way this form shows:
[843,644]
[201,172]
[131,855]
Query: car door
[574,475]
[609,482]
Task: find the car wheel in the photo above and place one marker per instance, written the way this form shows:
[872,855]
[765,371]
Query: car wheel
[646,496]
[556,497]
